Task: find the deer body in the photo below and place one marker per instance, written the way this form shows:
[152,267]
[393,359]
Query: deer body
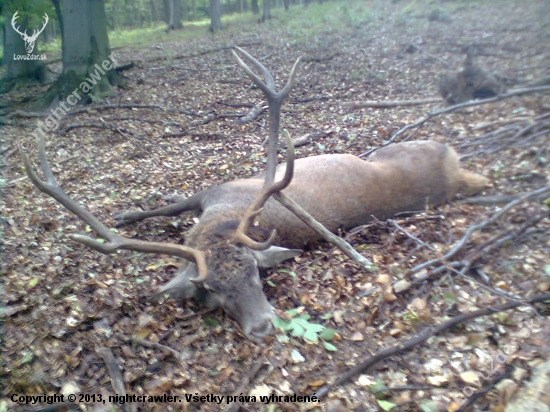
[340,191]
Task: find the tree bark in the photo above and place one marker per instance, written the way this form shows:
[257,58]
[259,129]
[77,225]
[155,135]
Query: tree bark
[166,10]
[266,12]
[254,7]
[85,49]
[175,16]
[215,16]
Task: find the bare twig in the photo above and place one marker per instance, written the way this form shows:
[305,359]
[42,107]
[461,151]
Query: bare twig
[117,379]
[417,340]
[251,115]
[245,381]
[416,240]
[422,50]
[153,345]
[479,226]
[191,125]
[391,103]
[323,232]
[454,108]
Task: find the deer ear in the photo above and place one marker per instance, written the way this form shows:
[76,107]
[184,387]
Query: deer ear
[179,288]
[274,255]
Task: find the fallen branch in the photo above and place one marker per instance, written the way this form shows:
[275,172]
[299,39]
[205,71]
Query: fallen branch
[245,381]
[478,226]
[498,240]
[518,134]
[187,127]
[310,138]
[478,394]
[131,106]
[451,109]
[153,345]
[117,380]
[324,232]
[417,340]
[90,125]
[498,199]
[391,103]
[251,115]
[201,53]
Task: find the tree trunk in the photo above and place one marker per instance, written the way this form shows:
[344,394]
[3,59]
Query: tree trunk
[254,6]
[286,4]
[115,15]
[166,4]
[18,69]
[87,62]
[215,16]
[175,16]
[266,10]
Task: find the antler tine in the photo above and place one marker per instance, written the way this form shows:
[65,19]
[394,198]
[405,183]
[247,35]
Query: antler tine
[259,201]
[36,32]
[14,20]
[114,241]
[275,100]
[291,77]
[269,88]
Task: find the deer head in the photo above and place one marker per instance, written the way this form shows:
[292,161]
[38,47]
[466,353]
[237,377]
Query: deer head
[29,40]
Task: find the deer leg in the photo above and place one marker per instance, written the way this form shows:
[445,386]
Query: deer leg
[174,198]
[192,203]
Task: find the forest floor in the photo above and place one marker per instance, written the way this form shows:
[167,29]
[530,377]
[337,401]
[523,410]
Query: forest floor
[64,304]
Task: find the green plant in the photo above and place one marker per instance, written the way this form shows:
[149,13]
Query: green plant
[299,326]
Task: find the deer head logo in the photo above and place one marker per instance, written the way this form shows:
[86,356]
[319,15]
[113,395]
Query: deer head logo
[29,40]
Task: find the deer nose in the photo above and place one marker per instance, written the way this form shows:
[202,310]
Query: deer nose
[261,328]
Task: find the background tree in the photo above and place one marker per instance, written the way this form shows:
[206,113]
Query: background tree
[175,16]
[84,44]
[254,7]
[215,15]
[266,13]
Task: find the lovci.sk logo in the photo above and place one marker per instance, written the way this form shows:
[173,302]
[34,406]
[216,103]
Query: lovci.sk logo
[29,40]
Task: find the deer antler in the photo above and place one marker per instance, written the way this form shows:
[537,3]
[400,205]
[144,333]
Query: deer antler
[13,21]
[35,32]
[258,203]
[274,100]
[114,241]
[270,187]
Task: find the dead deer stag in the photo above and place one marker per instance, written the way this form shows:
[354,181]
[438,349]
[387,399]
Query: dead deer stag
[224,250]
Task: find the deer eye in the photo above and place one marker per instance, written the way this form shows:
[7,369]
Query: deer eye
[209,288]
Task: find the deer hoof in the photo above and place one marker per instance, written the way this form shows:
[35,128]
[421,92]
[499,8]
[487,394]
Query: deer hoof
[174,198]
[122,219]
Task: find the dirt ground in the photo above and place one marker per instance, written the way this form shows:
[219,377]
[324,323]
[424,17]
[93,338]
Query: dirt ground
[64,304]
